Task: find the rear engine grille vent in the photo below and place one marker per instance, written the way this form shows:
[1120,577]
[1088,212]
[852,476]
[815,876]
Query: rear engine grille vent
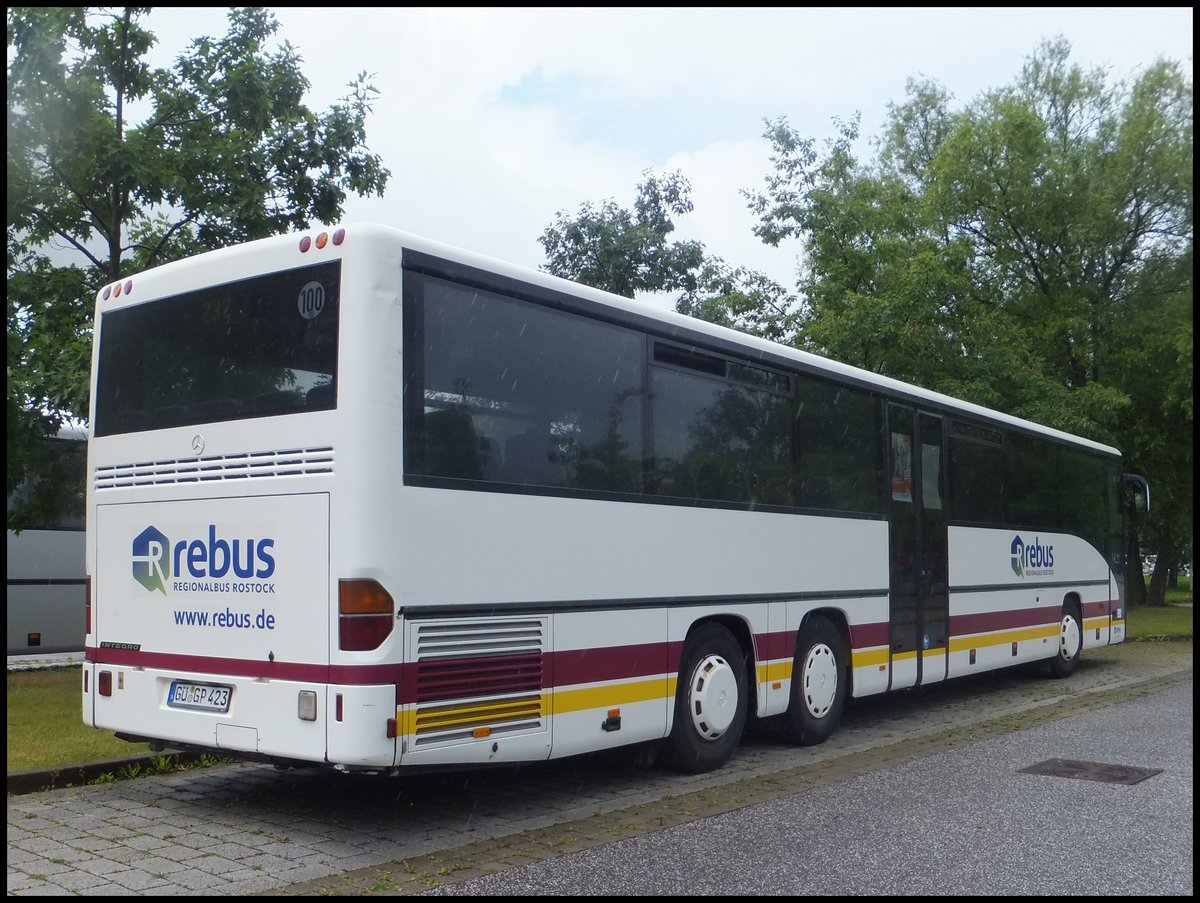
[478,675]
[210,468]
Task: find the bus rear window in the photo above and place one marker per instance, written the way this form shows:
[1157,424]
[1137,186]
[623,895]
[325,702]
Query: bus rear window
[256,348]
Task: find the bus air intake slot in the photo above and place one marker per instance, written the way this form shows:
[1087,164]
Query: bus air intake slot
[208,468]
[478,675]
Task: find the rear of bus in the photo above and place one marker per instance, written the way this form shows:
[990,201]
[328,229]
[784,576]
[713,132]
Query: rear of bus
[222,458]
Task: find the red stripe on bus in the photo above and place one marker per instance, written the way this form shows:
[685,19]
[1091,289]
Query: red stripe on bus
[985,622]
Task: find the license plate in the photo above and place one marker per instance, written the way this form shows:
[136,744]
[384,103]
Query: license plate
[209,697]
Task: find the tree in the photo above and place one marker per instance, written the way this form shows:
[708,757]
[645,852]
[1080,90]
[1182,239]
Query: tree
[623,251]
[226,151]
[1030,252]
[742,299]
[626,252]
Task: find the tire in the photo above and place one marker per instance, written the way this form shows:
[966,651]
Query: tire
[1070,643]
[819,684]
[711,702]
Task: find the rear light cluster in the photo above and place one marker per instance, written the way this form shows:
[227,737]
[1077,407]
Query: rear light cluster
[366,615]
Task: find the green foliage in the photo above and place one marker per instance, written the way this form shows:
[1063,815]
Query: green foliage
[161,764]
[629,251]
[1181,592]
[741,299]
[45,723]
[1030,251]
[46,731]
[227,152]
[1145,622]
[626,251]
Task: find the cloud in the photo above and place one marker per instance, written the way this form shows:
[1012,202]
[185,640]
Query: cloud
[492,120]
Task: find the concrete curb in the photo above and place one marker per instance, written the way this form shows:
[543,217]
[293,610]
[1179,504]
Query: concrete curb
[105,771]
[1160,638]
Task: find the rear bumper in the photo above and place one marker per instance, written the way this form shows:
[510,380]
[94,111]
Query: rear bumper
[266,719]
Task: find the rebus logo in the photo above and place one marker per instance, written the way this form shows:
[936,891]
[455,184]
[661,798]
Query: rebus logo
[1032,559]
[156,562]
[151,566]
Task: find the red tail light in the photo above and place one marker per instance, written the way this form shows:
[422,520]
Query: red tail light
[365,615]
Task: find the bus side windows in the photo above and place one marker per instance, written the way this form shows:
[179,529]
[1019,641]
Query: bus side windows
[977,480]
[532,457]
[452,446]
[839,448]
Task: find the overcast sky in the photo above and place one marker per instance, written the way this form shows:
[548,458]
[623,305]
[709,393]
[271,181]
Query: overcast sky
[492,120]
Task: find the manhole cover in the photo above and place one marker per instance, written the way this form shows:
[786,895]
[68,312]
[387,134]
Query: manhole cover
[1092,771]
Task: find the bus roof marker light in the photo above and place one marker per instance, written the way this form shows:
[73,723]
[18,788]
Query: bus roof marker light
[117,290]
[128,286]
[339,236]
[322,240]
[305,244]
[107,291]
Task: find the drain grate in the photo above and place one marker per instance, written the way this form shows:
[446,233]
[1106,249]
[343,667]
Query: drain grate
[1092,771]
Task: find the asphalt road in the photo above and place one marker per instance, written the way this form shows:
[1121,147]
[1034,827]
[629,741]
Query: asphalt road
[917,793]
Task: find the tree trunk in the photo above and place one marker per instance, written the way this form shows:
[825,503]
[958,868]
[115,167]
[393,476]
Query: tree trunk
[1156,595]
[1135,580]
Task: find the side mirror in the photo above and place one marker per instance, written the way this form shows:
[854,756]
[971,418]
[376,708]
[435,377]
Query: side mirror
[1140,489]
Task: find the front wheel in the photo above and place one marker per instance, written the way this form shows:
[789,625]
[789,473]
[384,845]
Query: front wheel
[1070,643]
[711,702]
[819,684]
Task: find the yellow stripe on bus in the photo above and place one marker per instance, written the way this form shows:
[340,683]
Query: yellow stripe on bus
[495,711]
[615,695]
[982,641]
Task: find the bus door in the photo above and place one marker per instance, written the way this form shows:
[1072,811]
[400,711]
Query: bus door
[919,590]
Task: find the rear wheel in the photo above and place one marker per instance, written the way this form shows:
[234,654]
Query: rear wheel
[819,684]
[711,702]
[1070,643]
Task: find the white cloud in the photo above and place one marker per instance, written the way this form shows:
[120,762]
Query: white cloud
[491,120]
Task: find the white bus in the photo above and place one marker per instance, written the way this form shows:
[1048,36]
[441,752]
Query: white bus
[361,499]
[47,591]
